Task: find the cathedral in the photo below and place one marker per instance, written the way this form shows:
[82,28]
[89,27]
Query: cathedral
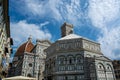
[29,59]
[73,57]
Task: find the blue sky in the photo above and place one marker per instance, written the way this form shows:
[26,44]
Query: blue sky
[98,20]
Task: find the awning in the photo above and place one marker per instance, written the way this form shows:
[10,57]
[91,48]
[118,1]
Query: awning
[19,78]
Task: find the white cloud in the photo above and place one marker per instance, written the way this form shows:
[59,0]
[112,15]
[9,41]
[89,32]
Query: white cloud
[22,30]
[71,11]
[110,43]
[60,10]
[43,24]
[103,13]
[43,8]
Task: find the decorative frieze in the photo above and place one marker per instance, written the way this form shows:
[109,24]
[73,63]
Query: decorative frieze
[94,47]
[69,44]
[74,44]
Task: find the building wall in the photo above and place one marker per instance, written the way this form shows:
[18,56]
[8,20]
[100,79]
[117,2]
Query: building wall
[116,65]
[5,40]
[39,65]
[27,66]
[77,59]
[64,65]
[105,70]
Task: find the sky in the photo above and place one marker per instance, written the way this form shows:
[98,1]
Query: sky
[98,20]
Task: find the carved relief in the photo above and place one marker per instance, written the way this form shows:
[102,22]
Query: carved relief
[86,45]
[73,44]
[91,46]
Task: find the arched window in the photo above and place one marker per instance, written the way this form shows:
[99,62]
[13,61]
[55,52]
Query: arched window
[61,60]
[70,63]
[70,59]
[101,66]
[101,71]
[79,59]
[108,68]
[109,72]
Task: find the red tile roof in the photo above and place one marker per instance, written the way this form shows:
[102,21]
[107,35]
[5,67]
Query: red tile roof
[25,47]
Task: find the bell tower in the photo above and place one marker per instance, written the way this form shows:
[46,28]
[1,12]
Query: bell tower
[66,29]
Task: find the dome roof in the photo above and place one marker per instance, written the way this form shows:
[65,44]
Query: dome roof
[25,47]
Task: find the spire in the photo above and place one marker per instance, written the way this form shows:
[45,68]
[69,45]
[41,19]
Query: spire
[30,38]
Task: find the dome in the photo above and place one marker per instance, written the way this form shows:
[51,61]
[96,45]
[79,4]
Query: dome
[25,47]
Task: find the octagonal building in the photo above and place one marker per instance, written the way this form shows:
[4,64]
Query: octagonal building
[73,57]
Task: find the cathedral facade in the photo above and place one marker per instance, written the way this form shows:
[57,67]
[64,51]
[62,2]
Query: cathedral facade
[73,57]
[29,59]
